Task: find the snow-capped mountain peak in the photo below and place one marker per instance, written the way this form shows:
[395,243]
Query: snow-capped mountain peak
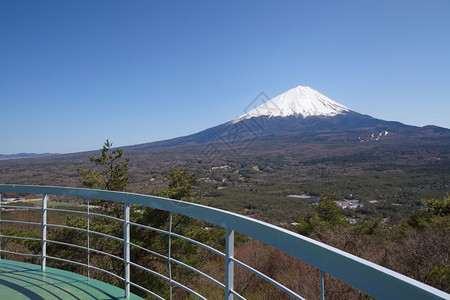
[300,101]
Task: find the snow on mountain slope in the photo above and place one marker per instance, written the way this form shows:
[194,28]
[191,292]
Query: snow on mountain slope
[299,101]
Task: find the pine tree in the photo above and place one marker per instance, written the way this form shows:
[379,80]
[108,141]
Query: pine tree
[112,174]
[329,212]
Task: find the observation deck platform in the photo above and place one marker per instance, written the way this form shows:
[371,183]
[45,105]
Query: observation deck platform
[20,280]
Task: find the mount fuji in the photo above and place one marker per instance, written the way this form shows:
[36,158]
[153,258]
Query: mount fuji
[304,115]
[299,102]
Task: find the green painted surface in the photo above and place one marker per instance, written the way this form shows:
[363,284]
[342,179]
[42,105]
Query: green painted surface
[26,281]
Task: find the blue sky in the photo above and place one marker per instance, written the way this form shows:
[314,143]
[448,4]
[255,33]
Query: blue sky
[74,73]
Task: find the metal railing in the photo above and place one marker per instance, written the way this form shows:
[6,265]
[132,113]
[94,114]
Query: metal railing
[365,276]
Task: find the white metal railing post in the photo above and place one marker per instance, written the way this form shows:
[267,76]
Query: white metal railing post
[169,255]
[44,232]
[322,292]
[88,240]
[0,226]
[126,245]
[229,265]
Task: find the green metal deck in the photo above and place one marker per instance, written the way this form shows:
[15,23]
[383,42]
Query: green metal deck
[20,280]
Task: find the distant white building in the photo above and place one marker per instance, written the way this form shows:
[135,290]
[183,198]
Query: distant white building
[302,197]
[351,204]
[9,199]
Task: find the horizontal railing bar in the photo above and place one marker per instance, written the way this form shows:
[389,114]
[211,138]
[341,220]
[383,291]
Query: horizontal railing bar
[21,222]
[107,272]
[66,227]
[150,228]
[67,260]
[106,235]
[66,244]
[335,262]
[20,238]
[149,271]
[188,289]
[146,290]
[85,265]
[264,276]
[105,216]
[199,243]
[199,272]
[106,253]
[67,210]
[149,251]
[237,295]
[20,207]
[85,230]
[18,253]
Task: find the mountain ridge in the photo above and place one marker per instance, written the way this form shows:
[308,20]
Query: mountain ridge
[300,113]
[24,155]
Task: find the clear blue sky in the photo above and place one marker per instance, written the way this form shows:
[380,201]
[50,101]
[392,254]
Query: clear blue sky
[73,73]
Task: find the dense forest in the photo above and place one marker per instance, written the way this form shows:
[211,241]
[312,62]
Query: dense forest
[390,180]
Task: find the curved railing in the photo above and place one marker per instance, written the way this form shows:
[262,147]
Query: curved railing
[367,277]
